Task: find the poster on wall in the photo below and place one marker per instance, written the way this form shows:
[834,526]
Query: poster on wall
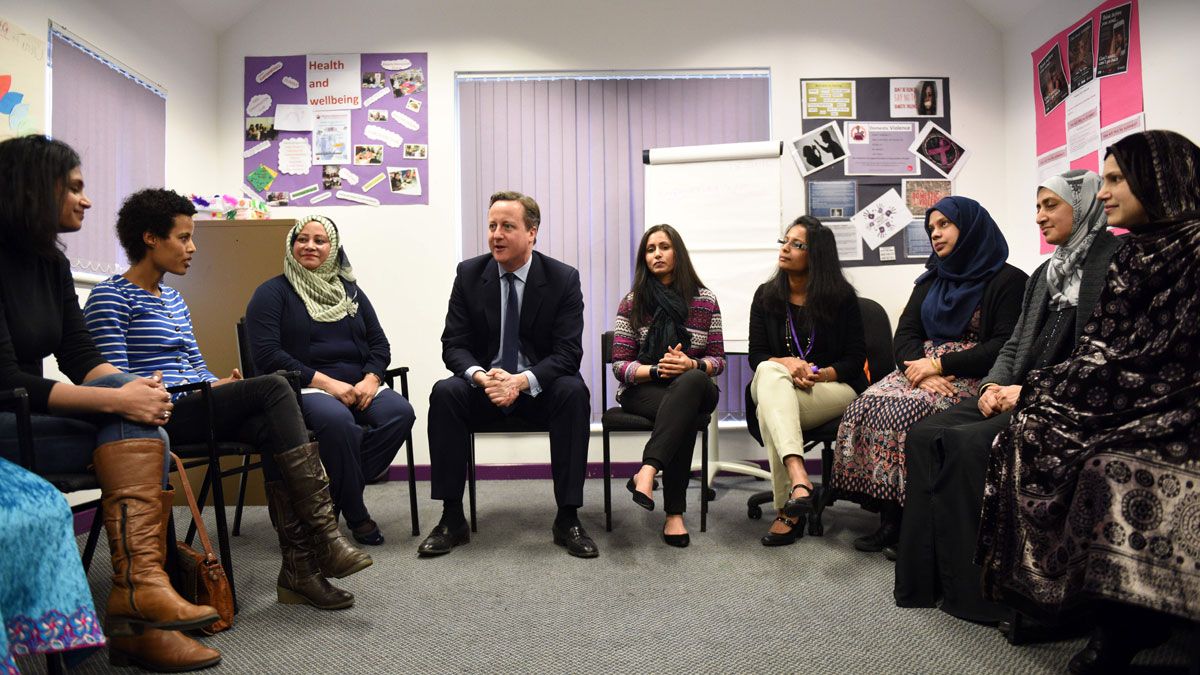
[337,129]
[819,149]
[22,82]
[880,149]
[916,97]
[1052,79]
[1105,100]
[827,99]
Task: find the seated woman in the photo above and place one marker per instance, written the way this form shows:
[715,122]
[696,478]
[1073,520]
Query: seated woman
[807,350]
[662,380]
[110,424]
[1092,494]
[143,326]
[946,454]
[963,309]
[315,319]
[45,602]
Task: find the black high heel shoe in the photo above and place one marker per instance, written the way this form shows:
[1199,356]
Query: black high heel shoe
[639,498]
[795,507]
[677,540]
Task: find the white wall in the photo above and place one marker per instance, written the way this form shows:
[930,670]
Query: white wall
[405,256]
[158,41]
[1170,52]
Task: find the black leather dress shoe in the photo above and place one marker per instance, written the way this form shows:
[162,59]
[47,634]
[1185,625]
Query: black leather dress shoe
[677,540]
[575,538]
[442,539]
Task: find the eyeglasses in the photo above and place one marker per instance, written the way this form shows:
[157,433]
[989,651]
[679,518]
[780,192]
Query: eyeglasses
[798,245]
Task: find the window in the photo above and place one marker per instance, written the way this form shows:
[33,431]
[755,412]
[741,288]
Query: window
[116,120]
[574,143]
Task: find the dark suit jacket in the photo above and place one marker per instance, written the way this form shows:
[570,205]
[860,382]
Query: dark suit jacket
[551,318]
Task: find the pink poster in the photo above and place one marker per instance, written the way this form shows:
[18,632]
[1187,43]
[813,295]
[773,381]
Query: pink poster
[1087,88]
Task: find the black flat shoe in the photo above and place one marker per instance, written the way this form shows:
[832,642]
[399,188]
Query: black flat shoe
[795,507]
[789,537]
[442,539]
[639,498]
[890,553]
[677,540]
[576,541]
[370,536]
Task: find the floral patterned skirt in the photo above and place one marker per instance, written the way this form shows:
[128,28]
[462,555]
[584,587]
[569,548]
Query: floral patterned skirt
[45,602]
[868,458]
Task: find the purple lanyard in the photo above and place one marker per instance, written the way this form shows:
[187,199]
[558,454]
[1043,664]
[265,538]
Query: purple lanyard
[812,336]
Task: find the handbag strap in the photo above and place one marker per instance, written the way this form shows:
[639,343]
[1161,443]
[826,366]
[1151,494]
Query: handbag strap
[187,490]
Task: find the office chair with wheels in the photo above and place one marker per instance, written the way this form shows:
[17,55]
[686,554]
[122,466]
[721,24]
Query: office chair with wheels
[877,329]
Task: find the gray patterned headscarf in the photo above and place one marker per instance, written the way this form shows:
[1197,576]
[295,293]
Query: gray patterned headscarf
[1065,272]
[321,290]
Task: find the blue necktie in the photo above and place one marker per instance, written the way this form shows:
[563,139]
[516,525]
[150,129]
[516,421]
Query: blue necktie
[512,327]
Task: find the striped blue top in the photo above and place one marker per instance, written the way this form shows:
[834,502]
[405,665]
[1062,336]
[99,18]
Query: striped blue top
[140,333]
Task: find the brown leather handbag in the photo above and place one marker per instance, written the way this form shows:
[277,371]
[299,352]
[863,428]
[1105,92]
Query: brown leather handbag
[201,576]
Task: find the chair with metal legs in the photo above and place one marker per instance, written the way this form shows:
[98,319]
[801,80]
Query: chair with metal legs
[616,419]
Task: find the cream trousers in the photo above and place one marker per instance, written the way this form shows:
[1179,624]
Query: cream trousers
[785,410]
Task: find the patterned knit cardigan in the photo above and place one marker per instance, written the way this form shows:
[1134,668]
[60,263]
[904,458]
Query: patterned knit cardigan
[703,325]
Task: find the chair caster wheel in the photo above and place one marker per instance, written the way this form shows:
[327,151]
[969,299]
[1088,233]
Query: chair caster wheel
[754,513]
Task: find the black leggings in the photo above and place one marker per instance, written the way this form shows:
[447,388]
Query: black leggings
[261,411]
[673,405]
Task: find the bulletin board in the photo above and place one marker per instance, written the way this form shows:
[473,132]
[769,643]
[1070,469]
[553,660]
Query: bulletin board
[1087,90]
[22,82]
[858,135]
[336,129]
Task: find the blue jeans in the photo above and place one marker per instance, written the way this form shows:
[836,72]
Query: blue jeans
[64,444]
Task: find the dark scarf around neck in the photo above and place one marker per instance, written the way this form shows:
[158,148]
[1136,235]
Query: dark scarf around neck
[667,323]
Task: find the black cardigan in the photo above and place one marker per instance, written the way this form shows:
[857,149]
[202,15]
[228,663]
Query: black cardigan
[839,345]
[39,316]
[1000,309]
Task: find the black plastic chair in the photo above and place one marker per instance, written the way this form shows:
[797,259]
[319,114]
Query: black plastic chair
[507,425]
[389,378]
[877,329]
[617,419]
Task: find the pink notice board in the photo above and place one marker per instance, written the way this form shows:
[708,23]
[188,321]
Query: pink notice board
[1092,68]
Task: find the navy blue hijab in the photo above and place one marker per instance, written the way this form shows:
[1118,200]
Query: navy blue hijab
[960,278]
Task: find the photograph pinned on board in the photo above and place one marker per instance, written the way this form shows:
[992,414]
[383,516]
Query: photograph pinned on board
[330,180]
[1113,43]
[920,194]
[277,198]
[373,80]
[404,180]
[416,151]
[1080,55]
[818,149]
[1052,79]
[916,97]
[368,154]
[408,82]
[377,115]
[414,104]
[936,147]
[260,129]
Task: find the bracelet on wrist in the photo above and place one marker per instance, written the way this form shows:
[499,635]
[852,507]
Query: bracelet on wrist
[697,364]
[654,372]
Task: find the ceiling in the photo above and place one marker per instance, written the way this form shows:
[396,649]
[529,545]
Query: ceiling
[221,15]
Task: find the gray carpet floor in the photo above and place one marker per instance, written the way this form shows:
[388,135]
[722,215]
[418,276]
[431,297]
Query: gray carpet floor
[512,602]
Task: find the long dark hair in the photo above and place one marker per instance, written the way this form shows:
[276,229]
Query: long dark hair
[827,286]
[927,85]
[685,282]
[33,181]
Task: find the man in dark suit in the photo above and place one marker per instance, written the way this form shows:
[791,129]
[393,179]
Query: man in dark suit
[513,341]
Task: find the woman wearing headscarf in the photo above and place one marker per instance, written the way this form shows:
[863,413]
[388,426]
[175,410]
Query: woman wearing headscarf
[946,454]
[315,319]
[667,347]
[1093,492]
[961,312]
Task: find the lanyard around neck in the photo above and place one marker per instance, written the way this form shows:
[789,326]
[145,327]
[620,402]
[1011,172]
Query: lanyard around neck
[812,335]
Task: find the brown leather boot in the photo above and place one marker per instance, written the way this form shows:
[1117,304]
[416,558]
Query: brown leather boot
[307,488]
[300,581]
[161,651]
[130,476]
